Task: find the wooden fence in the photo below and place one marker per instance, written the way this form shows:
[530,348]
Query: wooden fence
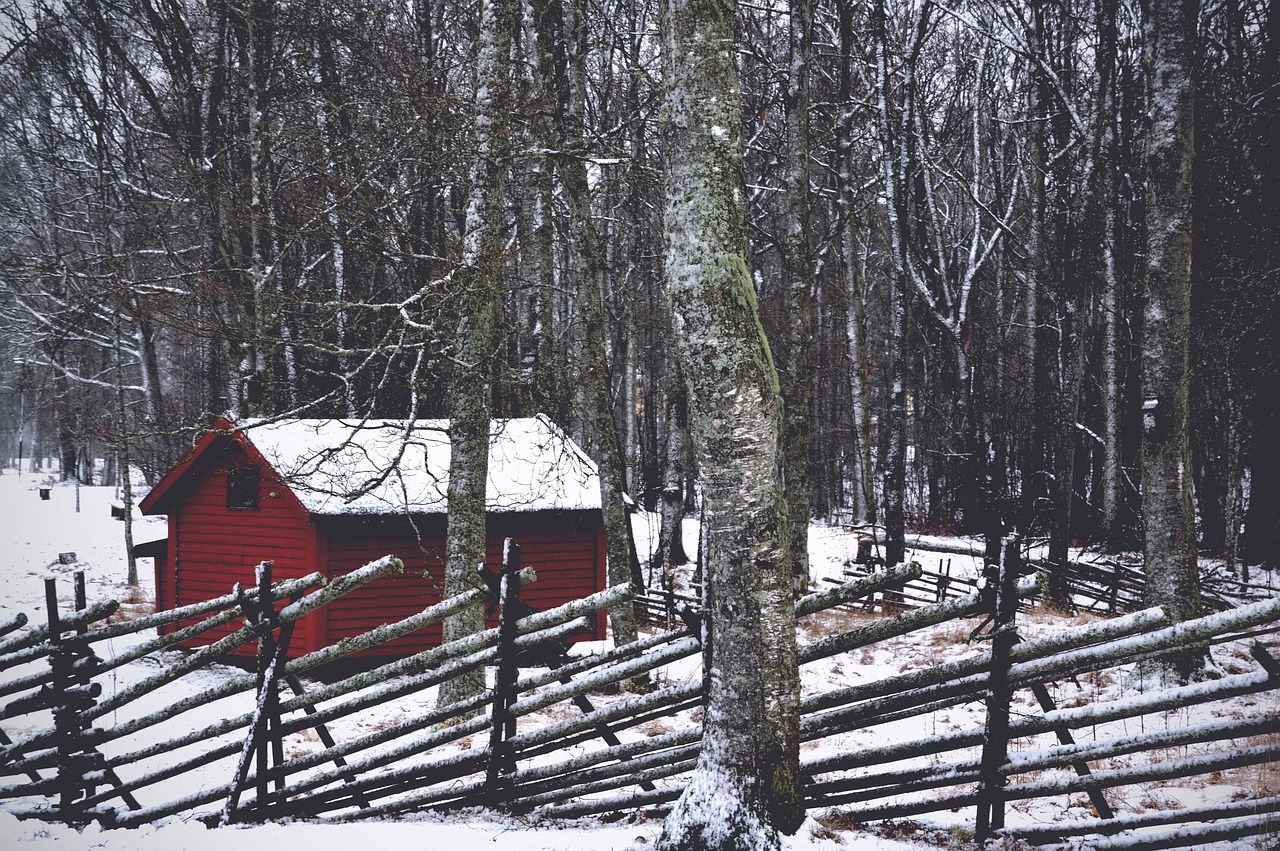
[567,736]
[1104,586]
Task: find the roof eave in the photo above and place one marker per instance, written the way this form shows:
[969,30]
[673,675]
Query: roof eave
[157,501]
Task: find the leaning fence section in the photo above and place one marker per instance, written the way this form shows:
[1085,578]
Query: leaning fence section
[1027,748]
[560,735]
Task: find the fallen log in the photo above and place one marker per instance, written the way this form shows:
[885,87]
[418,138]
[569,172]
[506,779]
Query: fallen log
[18,621]
[856,589]
[280,590]
[937,613]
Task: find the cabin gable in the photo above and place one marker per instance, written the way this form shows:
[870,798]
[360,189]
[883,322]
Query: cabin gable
[229,514]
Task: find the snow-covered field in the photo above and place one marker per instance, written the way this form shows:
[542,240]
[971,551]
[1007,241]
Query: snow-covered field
[35,532]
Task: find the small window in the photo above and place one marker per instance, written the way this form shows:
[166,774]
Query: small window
[242,489]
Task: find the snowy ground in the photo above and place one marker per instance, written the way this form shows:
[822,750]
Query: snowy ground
[35,532]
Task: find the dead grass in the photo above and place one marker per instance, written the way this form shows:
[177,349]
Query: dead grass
[835,621]
[834,824]
[1263,779]
[134,603]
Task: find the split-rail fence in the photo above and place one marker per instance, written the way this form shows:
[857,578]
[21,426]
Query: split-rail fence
[559,735]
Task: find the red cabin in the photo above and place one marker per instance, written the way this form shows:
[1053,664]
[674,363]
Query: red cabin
[333,495]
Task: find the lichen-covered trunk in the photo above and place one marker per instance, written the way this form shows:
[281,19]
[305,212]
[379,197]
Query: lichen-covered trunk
[1172,578]
[744,789]
[477,294]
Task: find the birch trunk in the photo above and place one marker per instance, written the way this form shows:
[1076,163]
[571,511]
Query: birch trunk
[1040,371]
[1111,399]
[895,460]
[854,260]
[1112,459]
[1168,515]
[478,278]
[745,787]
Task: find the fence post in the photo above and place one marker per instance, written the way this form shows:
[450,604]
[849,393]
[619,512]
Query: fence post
[266,650]
[64,724]
[1114,601]
[70,690]
[995,751]
[501,757]
[263,740]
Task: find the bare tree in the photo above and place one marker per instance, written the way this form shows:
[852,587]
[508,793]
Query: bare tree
[795,362]
[563,42]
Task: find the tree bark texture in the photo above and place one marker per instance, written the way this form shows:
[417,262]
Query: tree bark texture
[744,788]
[895,437]
[477,293]
[1168,514]
[795,362]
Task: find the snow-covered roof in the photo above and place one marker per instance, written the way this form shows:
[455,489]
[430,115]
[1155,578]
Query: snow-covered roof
[338,466]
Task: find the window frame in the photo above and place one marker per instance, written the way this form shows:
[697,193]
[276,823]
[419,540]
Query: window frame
[244,489]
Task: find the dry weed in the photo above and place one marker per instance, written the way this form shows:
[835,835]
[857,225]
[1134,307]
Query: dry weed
[835,621]
[1263,779]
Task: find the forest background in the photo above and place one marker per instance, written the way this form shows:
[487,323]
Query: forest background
[260,207]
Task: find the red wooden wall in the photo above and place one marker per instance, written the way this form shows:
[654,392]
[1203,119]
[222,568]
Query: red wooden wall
[213,547]
[565,548]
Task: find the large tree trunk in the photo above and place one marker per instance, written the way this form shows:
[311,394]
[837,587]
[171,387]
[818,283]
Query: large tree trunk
[745,787]
[1172,578]
[478,295]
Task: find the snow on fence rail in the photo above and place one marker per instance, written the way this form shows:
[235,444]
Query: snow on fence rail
[565,736]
